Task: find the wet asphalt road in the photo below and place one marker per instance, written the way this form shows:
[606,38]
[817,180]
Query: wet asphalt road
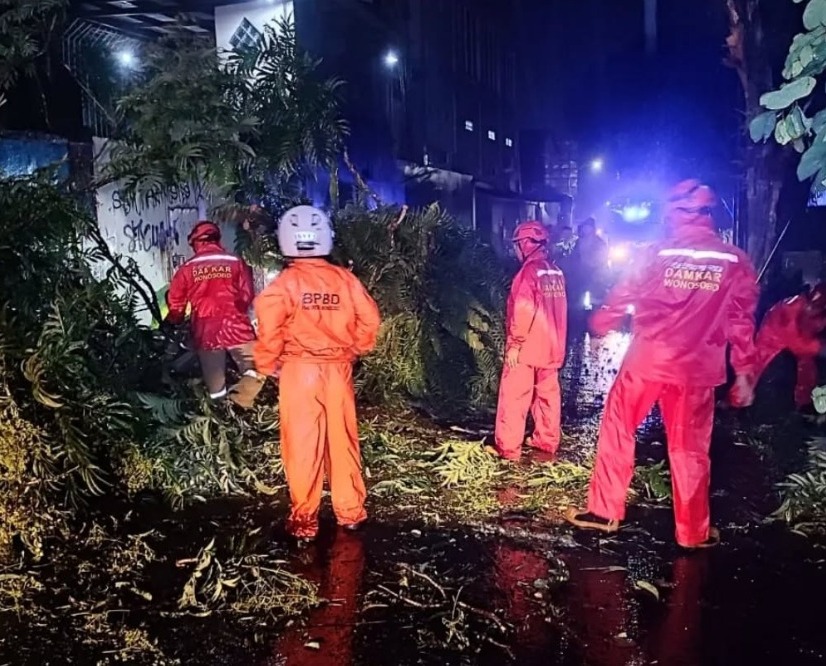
[578,598]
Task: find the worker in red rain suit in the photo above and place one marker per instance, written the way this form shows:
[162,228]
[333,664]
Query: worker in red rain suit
[314,320]
[534,348]
[794,324]
[692,294]
[218,288]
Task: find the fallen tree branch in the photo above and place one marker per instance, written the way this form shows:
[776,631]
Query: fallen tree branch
[360,182]
[135,278]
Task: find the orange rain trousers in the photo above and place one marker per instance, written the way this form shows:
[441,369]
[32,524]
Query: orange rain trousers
[526,388]
[319,436]
[688,414]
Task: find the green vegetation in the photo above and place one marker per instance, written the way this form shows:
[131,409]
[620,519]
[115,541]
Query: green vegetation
[794,114]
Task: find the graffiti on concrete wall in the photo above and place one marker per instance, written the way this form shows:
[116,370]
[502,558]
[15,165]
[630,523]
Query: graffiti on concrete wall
[147,237]
[145,230]
[182,194]
[152,227]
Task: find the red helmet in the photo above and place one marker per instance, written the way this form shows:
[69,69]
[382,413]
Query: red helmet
[534,231]
[204,232]
[690,202]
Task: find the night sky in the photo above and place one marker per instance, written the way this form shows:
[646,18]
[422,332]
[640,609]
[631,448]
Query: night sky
[678,107]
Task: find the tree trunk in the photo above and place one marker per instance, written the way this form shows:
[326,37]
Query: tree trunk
[747,55]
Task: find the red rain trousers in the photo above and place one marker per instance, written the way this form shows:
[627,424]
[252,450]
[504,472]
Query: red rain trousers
[536,326]
[794,325]
[692,295]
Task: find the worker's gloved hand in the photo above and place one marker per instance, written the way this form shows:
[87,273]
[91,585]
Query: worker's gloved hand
[600,323]
[819,399]
[741,393]
[247,389]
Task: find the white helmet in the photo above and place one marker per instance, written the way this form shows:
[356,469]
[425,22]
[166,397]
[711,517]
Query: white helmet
[305,231]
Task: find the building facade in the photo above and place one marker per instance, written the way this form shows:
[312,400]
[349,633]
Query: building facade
[431,95]
[432,89]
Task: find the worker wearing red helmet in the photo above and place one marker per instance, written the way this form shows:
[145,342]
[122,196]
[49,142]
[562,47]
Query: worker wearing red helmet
[692,296]
[534,347]
[218,288]
[794,324]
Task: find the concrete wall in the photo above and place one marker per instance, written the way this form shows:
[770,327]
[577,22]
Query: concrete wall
[152,229]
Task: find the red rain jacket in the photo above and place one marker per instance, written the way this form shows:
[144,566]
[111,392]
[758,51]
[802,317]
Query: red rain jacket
[691,295]
[538,313]
[791,325]
[219,288]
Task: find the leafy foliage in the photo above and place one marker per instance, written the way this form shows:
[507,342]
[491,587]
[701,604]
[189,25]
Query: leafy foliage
[441,293]
[200,450]
[74,335]
[654,481]
[245,583]
[68,345]
[240,123]
[804,495]
[26,29]
[794,113]
[82,390]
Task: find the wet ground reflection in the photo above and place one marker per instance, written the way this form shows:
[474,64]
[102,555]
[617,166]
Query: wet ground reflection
[578,599]
[744,604]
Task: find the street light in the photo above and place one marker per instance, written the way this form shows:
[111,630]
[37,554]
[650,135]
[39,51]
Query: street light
[391,59]
[597,165]
[126,58]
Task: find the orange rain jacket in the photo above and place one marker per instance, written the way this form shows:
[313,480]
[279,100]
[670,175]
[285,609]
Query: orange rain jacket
[303,317]
[794,324]
[791,324]
[315,319]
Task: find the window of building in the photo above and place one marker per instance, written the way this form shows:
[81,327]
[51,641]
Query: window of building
[509,142]
[469,125]
[491,135]
[246,36]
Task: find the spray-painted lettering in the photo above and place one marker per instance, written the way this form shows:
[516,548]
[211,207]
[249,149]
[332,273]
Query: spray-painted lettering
[142,236]
[137,203]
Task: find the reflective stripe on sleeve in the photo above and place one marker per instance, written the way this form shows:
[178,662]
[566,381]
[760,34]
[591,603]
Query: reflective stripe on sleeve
[699,254]
[213,257]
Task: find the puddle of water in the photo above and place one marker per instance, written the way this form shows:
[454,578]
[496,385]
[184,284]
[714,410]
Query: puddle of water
[745,603]
[633,599]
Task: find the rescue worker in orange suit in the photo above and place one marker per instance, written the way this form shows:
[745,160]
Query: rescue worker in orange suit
[314,320]
[218,288]
[794,324]
[692,295]
[534,348]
